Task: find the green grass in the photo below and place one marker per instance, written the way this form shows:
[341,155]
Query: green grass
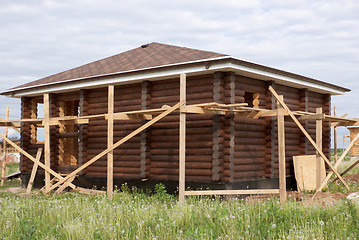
[11,168]
[136,215]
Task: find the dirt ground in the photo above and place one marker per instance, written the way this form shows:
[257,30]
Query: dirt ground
[324,199]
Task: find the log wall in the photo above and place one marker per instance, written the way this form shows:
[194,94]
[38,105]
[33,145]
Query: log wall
[218,148]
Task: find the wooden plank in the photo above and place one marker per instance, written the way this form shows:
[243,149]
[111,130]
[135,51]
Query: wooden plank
[111,93]
[320,165]
[123,140]
[89,191]
[335,139]
[182,140]
[308,136]
[232,192]
[33,172]
[47,138]
[281,152]
[3,163]
[305,172]
[54,122]
[47,169]
[324,183]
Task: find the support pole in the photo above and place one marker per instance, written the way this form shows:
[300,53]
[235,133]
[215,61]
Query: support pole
[3,163]
[182,139]
[281,152]
[320,176]
[47,139]
[335,139]
[110,141]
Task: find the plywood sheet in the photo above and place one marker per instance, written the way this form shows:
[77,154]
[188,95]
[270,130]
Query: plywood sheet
[305,172]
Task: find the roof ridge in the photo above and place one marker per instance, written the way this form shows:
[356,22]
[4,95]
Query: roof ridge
[149,55]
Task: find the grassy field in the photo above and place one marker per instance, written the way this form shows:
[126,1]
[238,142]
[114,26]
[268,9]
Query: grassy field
[137,215]
[133,214]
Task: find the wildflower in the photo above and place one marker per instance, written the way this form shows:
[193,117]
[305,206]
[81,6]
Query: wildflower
[274,225]
[321,223]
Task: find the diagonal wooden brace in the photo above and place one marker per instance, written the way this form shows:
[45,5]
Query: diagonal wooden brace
[337,164]
[47,169]
[33,172]
[308,136]
[65,185]
[123,140]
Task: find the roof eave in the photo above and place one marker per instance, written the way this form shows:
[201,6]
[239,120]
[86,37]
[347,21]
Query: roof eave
[226,63]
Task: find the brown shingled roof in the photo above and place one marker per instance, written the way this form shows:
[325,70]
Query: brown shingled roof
[146,56]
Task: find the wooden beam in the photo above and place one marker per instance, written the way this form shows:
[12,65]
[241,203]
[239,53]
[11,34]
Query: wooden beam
[33,172]
[335,139]
[57,121]
[320,165]
[182,140]
[324,183]
[3,163]
[123,140]
[14,145]
[232,192]
[281,152]
[47,138]
[318,116]
[348,169]
[111,97]
[308,136]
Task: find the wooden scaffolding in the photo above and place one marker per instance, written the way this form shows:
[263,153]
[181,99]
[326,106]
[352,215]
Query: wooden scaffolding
[60,182]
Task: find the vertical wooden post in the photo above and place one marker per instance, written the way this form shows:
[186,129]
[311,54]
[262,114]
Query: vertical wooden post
[3,163]
[335,139]
[281,152]
[182,140]
[319,141]
[47,139]
[110,141]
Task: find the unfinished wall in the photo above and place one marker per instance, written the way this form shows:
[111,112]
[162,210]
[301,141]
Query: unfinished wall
[218,147]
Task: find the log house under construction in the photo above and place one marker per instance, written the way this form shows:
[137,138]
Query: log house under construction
[225,148]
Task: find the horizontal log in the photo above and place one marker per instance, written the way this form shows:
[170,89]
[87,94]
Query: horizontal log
[95,140]
[249,154]
[189,151]
[119,151]
[115,169]
[174,158]
[171,145]
[249,141]
[247,168]
[247,147]
[189,131]
[103,146]
[196,172]
[248,175]
[249,121]
[175,178]
[249,161]
[175,138]
[189,165]
[248,134]
[68,135]
[115,175]
[250,127]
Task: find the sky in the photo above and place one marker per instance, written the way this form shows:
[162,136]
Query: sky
[317,39]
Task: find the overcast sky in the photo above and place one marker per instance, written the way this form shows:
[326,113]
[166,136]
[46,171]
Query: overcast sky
[318,39]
